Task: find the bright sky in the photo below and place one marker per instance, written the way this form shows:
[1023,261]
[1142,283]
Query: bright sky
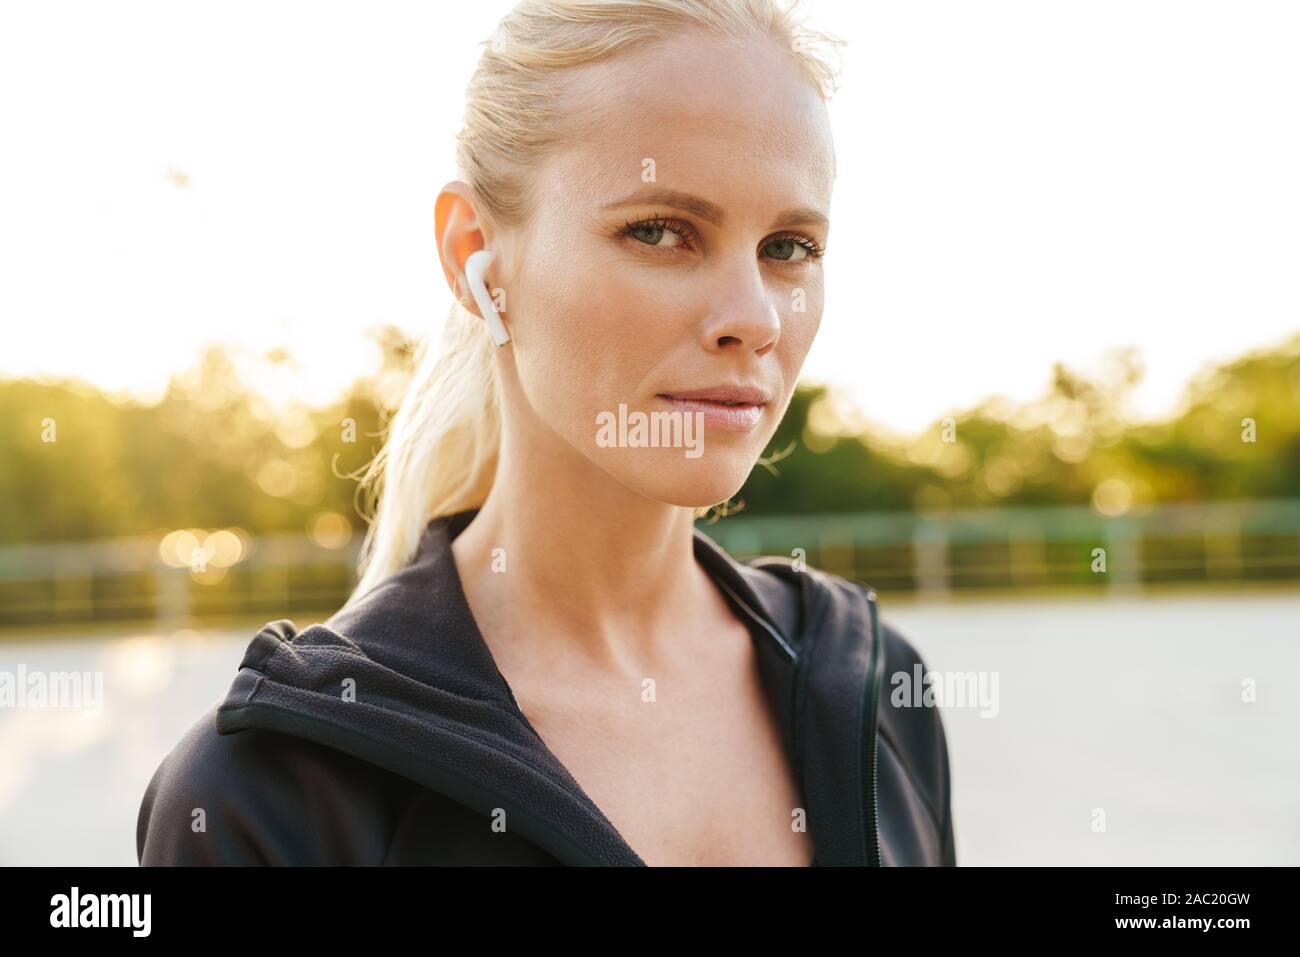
[1020,183]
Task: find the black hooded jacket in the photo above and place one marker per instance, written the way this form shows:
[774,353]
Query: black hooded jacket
[387,735]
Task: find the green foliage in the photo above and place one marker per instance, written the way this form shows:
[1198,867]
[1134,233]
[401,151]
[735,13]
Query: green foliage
[1055,450]
[212,453]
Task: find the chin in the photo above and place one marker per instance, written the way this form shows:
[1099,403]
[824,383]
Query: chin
[668,476]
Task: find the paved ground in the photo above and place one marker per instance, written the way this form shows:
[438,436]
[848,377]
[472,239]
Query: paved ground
[1133,706]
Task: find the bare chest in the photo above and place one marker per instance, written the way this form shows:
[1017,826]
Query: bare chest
[690,773]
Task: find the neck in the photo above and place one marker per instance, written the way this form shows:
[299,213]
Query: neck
[602,570]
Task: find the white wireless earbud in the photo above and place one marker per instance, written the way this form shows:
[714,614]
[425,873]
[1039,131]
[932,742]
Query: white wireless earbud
[475,267]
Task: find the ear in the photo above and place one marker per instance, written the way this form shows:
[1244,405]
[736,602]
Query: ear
[458,235]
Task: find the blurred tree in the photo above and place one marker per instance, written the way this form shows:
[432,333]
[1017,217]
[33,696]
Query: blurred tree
[74,464]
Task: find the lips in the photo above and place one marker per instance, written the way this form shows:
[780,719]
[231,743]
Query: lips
[732,408]
[721,395]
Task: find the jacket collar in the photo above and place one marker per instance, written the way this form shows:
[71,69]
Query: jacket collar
[403,678]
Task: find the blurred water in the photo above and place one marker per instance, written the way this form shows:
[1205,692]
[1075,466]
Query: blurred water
[1130,705]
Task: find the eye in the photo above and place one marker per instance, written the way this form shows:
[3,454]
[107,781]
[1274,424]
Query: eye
[652,232]
[793,248]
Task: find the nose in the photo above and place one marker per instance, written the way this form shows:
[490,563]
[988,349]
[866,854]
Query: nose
[743,314]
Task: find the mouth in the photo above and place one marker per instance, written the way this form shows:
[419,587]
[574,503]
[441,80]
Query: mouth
[731,408]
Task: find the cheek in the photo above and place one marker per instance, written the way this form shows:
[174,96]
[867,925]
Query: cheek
[594,333]
[799,327]
[589,340]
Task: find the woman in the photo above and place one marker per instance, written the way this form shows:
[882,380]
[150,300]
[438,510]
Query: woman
[544,661]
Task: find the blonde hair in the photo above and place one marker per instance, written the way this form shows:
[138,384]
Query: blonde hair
[440,454]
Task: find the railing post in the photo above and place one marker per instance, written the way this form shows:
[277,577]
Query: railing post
[1222,540]
[930,554]
[74,587]
[173,607]
[1026,549]
[1122,557]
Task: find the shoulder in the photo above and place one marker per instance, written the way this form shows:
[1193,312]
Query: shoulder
[261,797]
[792,593]
[915,730]
[912,730]
[913,742]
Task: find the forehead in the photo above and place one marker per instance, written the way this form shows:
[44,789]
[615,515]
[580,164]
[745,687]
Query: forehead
[736,122]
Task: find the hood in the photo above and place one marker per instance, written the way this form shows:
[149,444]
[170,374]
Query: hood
[403,679]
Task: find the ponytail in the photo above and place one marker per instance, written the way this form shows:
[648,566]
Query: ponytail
[440,454]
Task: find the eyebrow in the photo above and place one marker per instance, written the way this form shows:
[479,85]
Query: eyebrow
[711,212]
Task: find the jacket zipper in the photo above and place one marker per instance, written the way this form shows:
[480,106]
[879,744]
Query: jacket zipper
[874,857]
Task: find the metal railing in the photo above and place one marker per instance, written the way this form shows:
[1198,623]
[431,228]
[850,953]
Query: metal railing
[1029,546]
[126,579]
[934,555]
